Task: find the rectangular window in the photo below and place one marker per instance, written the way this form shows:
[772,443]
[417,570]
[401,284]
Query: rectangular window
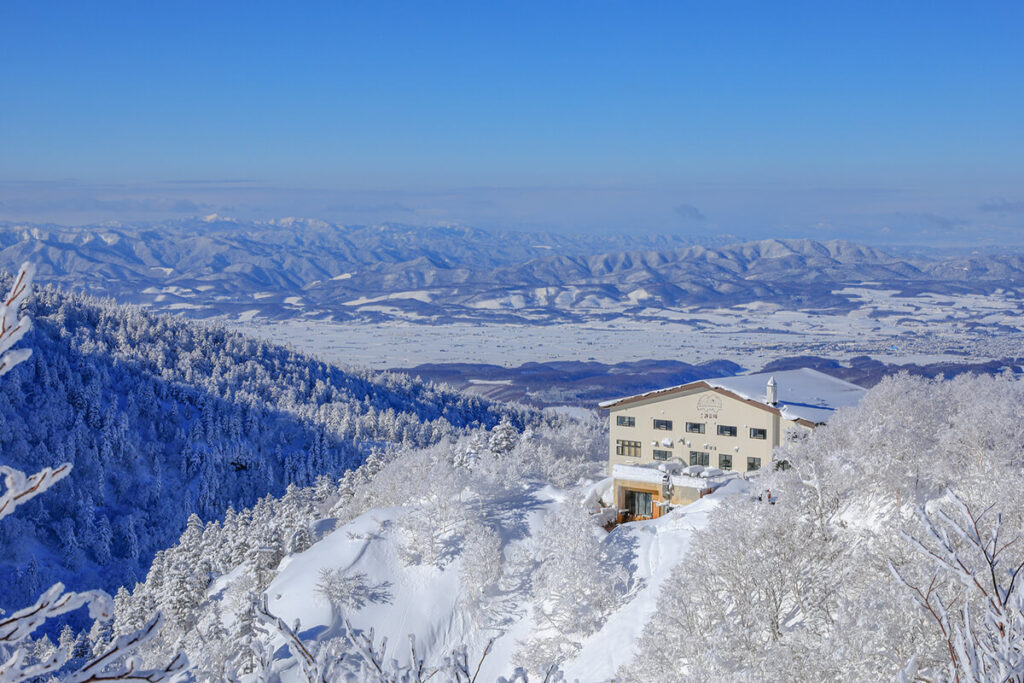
[726,430]
[699,458]
[724,461]
[662,455]
[639,503]
[625,421]
[756,433]
[695,427]
[663,424]
[753,464]
[631,448]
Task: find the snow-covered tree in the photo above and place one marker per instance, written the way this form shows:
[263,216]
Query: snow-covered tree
[349,592]
[481,568]
[576,585]
[504,437]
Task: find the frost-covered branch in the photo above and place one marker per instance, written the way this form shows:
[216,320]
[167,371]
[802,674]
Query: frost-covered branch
[117,664]
[980,649]
[455,667]
[19,488]
[371,662]
[13,328]
[54,602]
[310,668]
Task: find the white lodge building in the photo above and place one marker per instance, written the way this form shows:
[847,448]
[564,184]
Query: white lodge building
[675,445]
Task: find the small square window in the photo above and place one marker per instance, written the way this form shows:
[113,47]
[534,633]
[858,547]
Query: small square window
[699,458]
[663,424]
[753,464]
[662,455]
[695,427]
[726,430]
[630,448]
[756,433]
[625,421]
[724,461]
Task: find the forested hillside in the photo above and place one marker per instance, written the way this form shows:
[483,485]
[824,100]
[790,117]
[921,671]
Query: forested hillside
[163,418]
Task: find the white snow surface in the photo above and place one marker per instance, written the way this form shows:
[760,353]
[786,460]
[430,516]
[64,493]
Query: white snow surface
[802,393]
[424,600]
[696,479]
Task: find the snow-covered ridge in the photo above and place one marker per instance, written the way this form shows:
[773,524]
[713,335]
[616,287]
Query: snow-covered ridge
[438,274]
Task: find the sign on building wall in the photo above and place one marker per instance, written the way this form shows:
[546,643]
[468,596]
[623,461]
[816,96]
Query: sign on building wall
[709,406]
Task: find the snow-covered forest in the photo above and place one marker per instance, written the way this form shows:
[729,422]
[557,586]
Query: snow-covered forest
[163,418]
[265,517]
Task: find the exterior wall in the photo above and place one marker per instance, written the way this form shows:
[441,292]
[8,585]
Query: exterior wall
[699,405]
[684,495]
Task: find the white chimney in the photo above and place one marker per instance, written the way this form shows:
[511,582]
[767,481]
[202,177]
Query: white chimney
[772,392]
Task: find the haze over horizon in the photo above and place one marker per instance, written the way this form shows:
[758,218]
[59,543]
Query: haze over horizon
[873,123]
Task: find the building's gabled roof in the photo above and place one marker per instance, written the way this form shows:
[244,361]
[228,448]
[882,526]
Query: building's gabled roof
[806,395]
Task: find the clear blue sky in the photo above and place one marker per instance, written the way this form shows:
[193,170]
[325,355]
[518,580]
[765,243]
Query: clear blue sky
[753,119]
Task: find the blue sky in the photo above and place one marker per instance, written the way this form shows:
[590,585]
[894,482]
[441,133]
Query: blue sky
[886,121]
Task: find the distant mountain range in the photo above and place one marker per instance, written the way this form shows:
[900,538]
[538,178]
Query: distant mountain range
[300,268]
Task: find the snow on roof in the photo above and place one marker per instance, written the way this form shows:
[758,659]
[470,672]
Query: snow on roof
[802,394]
[649,474]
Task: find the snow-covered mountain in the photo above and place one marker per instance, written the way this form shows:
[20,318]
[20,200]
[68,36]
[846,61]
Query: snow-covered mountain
[163,417]
[292,268]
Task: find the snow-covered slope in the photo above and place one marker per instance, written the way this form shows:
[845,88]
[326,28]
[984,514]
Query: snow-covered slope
[427,601]
[460,546]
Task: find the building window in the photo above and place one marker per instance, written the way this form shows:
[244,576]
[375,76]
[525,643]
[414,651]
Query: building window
[662,455]
[725,461]
[753,464]
[623,447]
[639,503]
[663,424]
[782,465]
[625,421]
[699,458]
[695,427]
[726,430]
[756,433]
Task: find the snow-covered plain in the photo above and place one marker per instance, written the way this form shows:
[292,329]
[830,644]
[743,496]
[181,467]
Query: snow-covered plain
[927,328]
